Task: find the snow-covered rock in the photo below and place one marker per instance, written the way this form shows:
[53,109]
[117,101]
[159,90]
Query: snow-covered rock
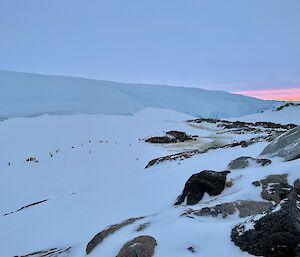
[274,187]
[245,161]
[286,146]
[245,208]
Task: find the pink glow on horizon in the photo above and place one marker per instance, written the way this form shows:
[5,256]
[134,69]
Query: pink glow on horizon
[289,94]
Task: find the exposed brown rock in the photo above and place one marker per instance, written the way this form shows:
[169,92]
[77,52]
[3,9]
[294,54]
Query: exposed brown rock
[97,239]
[142,246]
[229,183]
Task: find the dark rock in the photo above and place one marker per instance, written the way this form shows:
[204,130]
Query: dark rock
[273,234]
[287,105]
[97,239]
[171,137]
[297,251]
[142,246]
[191,153]
[26,206]
[143,226]
[240,126]
[191,249]
[256,183]
[274,187]
[206,181]
[179,136]
[245,161]
[297,186]
[263,162]
[245,144]
[161,140]
[53,252]
[31,159]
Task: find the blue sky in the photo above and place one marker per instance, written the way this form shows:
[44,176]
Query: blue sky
[230,45]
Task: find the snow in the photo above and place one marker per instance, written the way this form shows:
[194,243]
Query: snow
[25,94]
[286,116]
[103,182]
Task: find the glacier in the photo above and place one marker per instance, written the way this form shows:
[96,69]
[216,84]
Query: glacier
[25,94]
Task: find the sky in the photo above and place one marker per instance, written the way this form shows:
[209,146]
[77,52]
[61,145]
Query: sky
[248,46]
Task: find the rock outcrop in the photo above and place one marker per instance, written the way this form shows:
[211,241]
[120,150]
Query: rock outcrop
[245,161]
[170,137]
[188,154]
[52,252]
[274,187]
[206,181]
[275,233]
[286,146]
[179,136]
[241,127]
[245,208]
[161,140]
[287,105]
[97,239]
[142,246]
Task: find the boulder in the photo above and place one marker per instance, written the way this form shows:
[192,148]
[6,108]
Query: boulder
[276,233]
[206,181]
[97,239]
[286,146]
[142,246]
[274,187]
[245,161]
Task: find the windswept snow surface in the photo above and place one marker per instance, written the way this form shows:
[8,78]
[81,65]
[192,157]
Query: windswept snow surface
[25,94]
[285,116]
[97,178]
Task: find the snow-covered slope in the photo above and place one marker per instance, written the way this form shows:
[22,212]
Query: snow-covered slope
[287,115]
[96,177]
[25,94]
